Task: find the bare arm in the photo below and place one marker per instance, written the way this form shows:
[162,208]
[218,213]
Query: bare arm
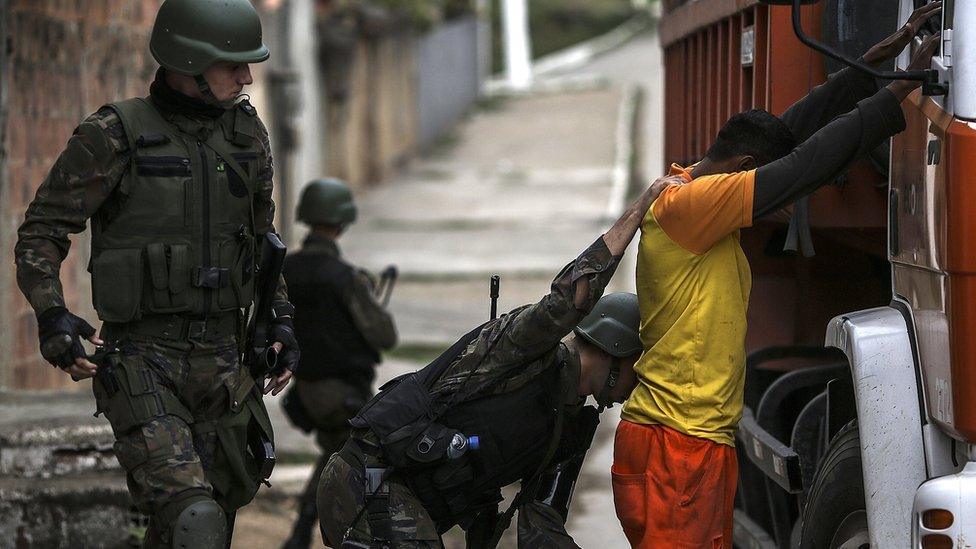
[623,231]
[819,159]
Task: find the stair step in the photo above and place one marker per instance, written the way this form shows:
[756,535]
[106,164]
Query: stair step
[89,510]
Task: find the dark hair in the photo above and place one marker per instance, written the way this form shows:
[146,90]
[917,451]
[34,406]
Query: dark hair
[756,133]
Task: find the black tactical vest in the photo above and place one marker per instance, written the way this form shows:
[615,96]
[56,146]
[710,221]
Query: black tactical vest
[515,429]
[514,422]
[182,239]
[332,345]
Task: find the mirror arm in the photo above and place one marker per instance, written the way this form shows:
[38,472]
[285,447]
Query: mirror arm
[928,76]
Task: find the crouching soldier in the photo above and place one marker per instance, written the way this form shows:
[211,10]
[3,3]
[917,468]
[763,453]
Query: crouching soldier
[503,404]
[341,324]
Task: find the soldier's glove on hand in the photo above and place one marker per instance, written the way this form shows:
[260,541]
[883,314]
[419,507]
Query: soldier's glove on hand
[283,332]
[60,334]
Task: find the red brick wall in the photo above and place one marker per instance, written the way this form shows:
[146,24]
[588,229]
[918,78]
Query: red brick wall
[67,58]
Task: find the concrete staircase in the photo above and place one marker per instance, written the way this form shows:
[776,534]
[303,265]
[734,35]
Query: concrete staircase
[60,484]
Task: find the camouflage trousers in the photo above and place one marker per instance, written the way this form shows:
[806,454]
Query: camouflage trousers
[342,496]
[163,399]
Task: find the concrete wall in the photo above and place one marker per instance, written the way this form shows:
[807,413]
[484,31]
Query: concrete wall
[66,58]
[6,274]
[374,130]
[449,75]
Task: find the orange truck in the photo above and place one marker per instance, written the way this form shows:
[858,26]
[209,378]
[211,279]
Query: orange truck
[860,421]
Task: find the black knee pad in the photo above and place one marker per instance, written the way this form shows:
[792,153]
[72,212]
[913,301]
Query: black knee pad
[201,524]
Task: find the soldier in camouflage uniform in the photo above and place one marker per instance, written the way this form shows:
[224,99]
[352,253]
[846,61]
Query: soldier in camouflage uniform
[341,325]
[518,383]
[178,190]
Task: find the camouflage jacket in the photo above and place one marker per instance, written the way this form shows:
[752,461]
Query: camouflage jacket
[82,184]
[526,341]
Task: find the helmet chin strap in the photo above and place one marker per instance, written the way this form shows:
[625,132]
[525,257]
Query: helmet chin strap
[208,95]
[603,398]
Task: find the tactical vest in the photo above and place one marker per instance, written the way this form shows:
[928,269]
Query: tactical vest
[515,429]
[514,425]
[182,239]
[332,345]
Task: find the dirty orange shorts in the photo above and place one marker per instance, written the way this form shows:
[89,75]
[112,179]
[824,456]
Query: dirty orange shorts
[672,490]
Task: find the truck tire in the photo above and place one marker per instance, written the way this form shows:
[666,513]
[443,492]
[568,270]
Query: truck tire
[835,516]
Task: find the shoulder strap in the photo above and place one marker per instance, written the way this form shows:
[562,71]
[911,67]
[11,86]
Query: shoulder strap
[129,112]
[245,127]
[433,371]
[228,156]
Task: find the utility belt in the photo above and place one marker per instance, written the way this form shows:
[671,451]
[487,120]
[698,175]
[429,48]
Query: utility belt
[176,327]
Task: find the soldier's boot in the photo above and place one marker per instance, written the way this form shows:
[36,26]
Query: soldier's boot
[301,533]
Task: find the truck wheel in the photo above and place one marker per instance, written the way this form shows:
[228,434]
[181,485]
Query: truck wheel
[835,515]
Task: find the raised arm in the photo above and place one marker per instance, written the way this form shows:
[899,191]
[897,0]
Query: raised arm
[818,160]
[528,332]
[844,89]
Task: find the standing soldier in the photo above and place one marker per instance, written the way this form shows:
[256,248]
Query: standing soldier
[342,326]
[178,189]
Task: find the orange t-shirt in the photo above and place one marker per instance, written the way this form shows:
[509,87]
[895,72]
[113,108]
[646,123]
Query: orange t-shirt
[693,284]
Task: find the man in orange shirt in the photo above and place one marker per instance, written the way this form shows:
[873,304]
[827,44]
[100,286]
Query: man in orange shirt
[675,470]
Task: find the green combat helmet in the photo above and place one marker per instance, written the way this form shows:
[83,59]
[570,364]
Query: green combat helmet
[191,35]
[327,202]
[613,325]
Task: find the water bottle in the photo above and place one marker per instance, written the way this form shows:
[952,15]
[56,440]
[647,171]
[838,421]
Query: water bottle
[461,444]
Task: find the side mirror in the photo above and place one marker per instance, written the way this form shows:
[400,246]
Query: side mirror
[929,78]
[964,60]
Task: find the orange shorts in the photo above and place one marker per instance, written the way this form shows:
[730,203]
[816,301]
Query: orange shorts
[672,490]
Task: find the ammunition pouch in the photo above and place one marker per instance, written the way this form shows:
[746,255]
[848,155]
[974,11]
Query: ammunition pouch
[117,284]
[245,455]
[127,392]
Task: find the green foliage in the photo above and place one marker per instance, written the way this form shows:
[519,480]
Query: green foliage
[557,24]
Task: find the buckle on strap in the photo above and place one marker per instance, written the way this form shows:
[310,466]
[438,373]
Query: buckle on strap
[211,277]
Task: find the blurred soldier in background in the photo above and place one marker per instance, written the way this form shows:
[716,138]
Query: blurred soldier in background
[178,189]
[340,317]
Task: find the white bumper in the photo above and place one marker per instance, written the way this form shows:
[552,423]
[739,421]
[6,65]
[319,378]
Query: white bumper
[954,493]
